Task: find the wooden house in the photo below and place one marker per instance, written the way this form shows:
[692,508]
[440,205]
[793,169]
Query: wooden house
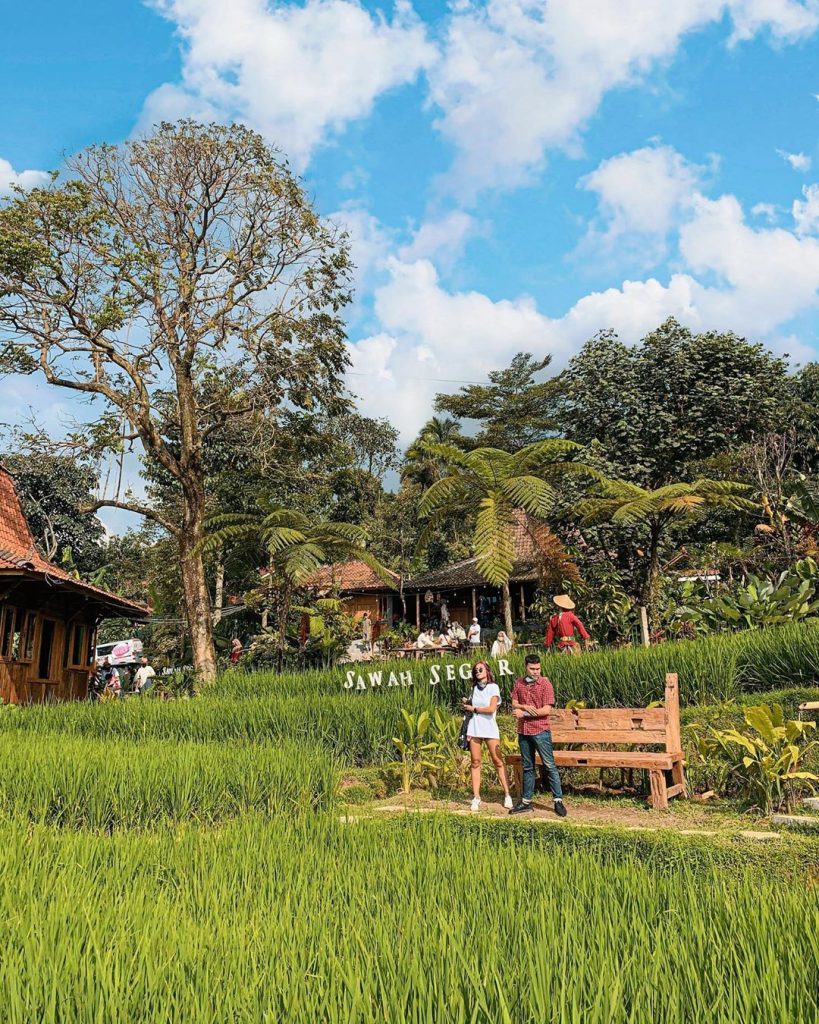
[48,618]
[539,561]
[361,590]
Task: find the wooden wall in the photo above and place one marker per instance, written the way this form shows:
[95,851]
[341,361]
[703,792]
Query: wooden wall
[20,680]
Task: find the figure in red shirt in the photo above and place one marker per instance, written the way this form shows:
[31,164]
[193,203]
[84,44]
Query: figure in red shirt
[563,626]
[532,699]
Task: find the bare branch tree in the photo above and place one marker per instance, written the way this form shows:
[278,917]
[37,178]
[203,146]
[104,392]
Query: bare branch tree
[184,280]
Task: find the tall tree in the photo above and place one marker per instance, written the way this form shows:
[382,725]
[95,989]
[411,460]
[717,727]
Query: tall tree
[423,467]
[661,407]
[54,490]
[624,503]
[513,409]
[185,280]
[494,483]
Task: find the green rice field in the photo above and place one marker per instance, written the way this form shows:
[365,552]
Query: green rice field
[194,860]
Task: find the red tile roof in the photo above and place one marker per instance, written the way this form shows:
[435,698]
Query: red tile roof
[351,577]
[18,552]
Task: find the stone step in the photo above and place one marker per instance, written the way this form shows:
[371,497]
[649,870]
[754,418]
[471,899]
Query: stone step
[811,803]
[796,822]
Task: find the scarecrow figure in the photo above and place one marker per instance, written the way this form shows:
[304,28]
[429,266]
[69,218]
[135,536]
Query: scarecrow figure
[564,626]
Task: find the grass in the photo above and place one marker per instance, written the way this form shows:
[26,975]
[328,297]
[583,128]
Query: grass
[355,729]
[184,860]
[86,783]
[712,669]
[408,921]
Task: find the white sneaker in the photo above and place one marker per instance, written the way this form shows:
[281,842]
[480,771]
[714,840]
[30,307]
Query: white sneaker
[475,805]
[507,802]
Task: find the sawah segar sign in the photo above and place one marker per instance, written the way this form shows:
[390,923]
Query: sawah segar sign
[356,680]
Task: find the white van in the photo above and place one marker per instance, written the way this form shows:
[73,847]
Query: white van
[123,652]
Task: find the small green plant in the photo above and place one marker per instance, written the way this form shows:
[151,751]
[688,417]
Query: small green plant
[414,749]
[762,764]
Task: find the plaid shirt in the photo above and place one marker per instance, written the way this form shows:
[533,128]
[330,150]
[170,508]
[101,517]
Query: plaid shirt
[537,694]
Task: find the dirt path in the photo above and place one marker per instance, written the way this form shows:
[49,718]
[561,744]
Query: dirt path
[685,818]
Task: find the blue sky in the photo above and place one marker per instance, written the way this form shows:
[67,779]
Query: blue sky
[515,174]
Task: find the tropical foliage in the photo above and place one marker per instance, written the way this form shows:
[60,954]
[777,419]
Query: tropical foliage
[623,504]
[757,602]
[764,761]
[492,485]
[296,546]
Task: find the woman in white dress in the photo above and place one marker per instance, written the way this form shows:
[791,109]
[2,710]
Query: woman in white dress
[483,728]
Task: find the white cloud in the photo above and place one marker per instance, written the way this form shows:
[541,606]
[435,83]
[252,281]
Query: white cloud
[806,213]
[297,73]
[442,240]
[784,19]
[733,276]
[518,77]
[798,161]
[767,275]
[643,192]
[25,179]
[766,210]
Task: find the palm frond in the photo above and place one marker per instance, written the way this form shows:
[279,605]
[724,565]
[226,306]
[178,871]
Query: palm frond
[530,493]
[442,493]
[534,455]
[493,541]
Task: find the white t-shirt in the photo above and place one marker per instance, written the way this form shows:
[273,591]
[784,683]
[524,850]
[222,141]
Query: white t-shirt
[143,674]
[484,726]
[474,633]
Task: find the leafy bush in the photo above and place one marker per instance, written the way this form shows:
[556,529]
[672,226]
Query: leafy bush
[427,745]
[762,764]
[757,603]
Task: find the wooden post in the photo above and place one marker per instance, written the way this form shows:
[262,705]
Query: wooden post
[522,604]
[673,743]
[659,792]
[474,604]
[418,610]
[644,625]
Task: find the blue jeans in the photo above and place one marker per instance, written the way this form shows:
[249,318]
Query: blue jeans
[542,743]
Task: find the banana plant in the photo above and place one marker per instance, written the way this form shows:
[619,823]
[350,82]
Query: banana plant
[764,763]
[414,749]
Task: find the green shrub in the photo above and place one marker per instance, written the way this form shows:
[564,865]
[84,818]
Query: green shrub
[762,764]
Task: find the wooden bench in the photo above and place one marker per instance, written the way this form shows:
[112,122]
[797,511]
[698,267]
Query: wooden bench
[586,728]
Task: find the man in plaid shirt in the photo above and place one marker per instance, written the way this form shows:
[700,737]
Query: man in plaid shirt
[532,700]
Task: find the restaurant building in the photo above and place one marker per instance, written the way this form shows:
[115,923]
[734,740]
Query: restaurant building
[360,590]
[459,593]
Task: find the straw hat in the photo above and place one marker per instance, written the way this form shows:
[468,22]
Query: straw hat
[564,601]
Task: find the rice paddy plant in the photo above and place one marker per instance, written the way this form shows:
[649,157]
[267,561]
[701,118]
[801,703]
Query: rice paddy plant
[407,922]
[711,669]
[105,785]
[355,729]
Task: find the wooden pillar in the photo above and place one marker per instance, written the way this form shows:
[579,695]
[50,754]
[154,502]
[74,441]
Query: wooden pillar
[418,610]
[522,603]
[474,604]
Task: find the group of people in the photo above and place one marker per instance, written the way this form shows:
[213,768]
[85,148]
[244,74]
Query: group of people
[533,699]
[106,678]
